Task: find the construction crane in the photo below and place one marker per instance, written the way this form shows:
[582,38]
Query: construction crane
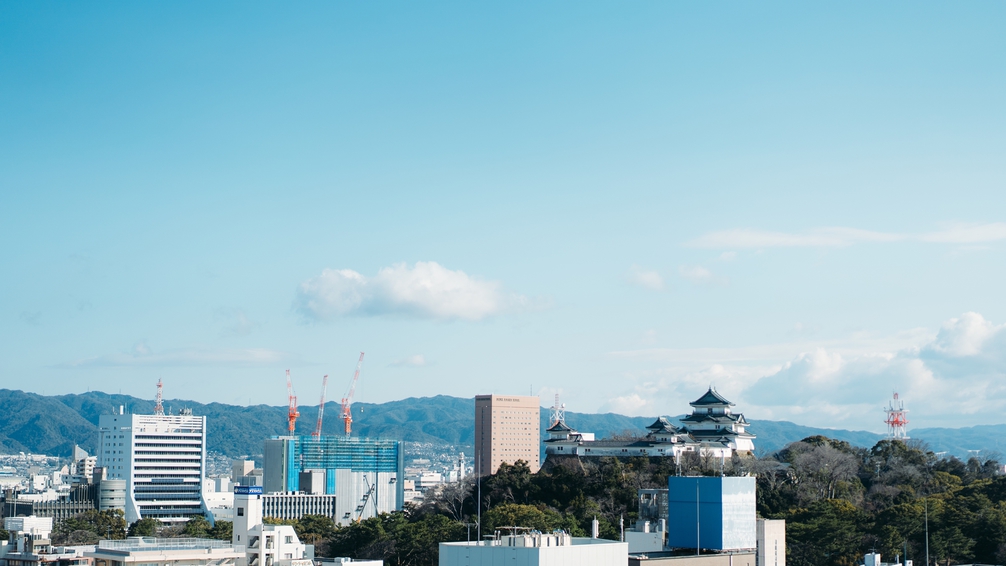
[159,403]
[321,407]
[347,401]
[292,412]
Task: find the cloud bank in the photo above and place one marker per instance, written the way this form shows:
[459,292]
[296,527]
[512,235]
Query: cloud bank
[426,290]
[954,377]
[961,234]
[142,355]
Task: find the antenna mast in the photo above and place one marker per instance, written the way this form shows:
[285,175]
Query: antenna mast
[321,407]
[292,412]
[558,413]
[158,404]
[347,401]
[897,419]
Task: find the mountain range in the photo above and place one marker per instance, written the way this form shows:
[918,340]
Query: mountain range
[53,424]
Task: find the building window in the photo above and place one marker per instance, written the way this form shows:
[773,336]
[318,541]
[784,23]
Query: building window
[241,511]
[289,540]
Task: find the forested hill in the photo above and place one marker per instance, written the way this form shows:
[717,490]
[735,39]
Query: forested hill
[53,424]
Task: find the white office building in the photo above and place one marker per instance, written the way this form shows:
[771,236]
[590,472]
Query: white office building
[162,459]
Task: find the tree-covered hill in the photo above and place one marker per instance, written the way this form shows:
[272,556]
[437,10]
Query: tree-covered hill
[53,424]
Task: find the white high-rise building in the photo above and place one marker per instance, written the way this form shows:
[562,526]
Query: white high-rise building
[163,460]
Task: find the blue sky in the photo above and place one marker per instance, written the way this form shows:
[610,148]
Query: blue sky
[800,204]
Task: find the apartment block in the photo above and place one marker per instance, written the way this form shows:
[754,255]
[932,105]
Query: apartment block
[507,429]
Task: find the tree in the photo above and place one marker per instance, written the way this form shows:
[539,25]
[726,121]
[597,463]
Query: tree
[89,527]
[222,530]
[147,527]
[312,529]
[197,527]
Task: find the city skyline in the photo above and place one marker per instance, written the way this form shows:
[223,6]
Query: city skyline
[797,204]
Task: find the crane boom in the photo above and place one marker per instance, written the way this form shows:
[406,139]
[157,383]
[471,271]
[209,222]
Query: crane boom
[347,401]
[292,412]
[321,407]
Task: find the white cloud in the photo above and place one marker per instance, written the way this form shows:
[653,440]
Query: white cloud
[416,361]
[695,273]
[842,237]
[235,322]
[700,275]
[953,377]
[142,355]
[426,290]
[645,278]
[633,405]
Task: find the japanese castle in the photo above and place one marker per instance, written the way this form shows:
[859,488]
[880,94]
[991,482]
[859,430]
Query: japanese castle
[712,429]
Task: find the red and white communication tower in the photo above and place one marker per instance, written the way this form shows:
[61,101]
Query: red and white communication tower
[897,419]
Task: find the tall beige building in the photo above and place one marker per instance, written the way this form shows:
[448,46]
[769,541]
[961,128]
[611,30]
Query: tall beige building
[507,429]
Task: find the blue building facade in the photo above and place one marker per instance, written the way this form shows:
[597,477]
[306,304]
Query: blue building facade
[712,513]
[366,475]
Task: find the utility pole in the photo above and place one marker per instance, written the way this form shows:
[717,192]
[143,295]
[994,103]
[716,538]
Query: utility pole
[926,502]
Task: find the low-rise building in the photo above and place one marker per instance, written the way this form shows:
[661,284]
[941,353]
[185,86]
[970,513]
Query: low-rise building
[552,549]
[29,544]
[137,551]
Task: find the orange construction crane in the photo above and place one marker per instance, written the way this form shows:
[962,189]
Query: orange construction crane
[321,407]
[292,413]
[347,401]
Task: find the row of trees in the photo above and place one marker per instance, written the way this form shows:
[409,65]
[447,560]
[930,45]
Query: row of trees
[91,526]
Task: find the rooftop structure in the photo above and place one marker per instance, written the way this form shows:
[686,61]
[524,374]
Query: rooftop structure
[712,429]
[29,545]
[165,552]
[552,549]
[711,513]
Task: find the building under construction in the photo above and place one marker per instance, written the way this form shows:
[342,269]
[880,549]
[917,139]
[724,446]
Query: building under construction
[365,475]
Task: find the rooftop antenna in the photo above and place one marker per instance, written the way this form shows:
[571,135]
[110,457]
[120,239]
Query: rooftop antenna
[897,419]
[558,413]
[158,404]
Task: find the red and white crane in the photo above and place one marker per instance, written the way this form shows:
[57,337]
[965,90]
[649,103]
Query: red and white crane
[347,401]
[292,412]
[321,407]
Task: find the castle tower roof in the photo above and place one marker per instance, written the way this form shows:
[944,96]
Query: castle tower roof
[711,398]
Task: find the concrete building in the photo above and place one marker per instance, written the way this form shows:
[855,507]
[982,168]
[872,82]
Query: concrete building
[145,551]
[265,545]
[535,549]
[162,459]
[365,475]
[57,505]
[711,430]
[507,429]
[29,544]
[711,513]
